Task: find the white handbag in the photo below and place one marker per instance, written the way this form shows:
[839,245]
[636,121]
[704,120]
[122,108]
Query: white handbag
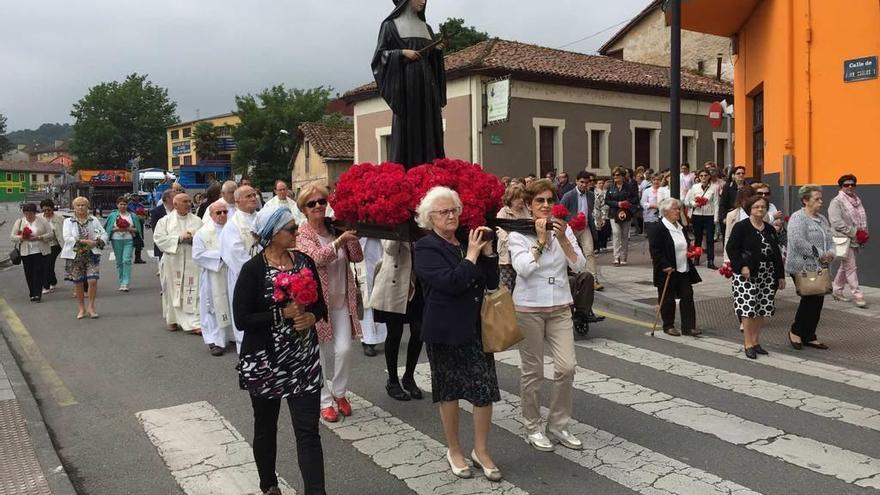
[841,246]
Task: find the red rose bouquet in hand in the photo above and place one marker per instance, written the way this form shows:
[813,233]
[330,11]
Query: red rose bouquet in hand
[299,288]
[726,270]
[122,223]
[694,252]
[27,233]
[141,212]
[862,237]
[578,223]
[560,211]
[625,204]
[701,201]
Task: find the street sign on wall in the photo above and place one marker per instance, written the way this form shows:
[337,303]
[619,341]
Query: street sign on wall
[181,148]
[860,69]
[716,113]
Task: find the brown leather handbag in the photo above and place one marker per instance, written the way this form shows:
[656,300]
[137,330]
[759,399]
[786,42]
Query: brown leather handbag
[499,328]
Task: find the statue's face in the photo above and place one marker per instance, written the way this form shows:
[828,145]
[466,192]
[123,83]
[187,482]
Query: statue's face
[418,5]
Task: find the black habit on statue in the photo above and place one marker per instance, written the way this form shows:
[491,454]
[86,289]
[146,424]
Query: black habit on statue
[415,91]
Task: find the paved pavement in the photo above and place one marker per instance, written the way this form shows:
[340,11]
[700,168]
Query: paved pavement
[851,332]
[134,409]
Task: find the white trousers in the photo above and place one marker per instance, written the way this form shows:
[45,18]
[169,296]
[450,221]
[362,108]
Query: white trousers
[620,239]
[336,357]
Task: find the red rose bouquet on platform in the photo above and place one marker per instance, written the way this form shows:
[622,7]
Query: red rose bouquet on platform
[122,223]
[378,194]
[726,270]
[578,223]
[862,237]
[299,287]
[701,201]
[694,252]
[27,233]
[480,191]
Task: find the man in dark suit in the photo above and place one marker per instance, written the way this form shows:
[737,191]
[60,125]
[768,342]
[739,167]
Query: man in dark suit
[580,199]
[563,186]
[158,212]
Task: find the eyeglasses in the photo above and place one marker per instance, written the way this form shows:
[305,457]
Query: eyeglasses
[315,202]
[545,201]
[447,212]
[292,229]
[763,193]
[616,175]
[221,212]
[849,184]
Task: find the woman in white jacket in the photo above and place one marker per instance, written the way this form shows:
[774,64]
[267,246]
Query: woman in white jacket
[703,201]
[84,238]
[31,234]
[542,298]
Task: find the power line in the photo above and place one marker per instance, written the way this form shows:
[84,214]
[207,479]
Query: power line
[585,38]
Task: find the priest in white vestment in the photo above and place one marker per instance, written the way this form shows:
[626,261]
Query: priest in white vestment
[238,244]
[373,333]
[178,274]
[213,299]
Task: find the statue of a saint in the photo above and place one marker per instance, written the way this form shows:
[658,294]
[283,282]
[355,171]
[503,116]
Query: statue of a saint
[408,67]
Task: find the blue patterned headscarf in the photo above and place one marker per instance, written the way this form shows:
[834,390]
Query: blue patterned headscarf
[270,221]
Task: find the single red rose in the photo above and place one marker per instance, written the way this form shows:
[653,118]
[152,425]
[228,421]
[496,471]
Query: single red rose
[578,223]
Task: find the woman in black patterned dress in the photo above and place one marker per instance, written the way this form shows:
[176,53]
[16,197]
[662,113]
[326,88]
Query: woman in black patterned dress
[758,272]
[279,354]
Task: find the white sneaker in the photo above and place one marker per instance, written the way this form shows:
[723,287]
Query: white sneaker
[566,439]
[540,442]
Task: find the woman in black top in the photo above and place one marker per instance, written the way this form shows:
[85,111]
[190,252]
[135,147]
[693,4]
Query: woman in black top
[620,191]
[279,354]
[758,272]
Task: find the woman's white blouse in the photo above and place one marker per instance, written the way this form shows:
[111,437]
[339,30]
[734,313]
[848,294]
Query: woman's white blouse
[681,246]
[543,283]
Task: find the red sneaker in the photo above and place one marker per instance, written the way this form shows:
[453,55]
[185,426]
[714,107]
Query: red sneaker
[344,406]
[328,414]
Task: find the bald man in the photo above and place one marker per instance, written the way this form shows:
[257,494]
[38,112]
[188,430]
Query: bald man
[238,243]
[227,192]
[178,274]
[282,197]
[213,299]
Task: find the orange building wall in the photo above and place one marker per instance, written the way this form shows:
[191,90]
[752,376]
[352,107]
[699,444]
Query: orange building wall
[794,50]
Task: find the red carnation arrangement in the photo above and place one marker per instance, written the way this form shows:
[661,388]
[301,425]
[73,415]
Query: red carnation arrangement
[27,233]
[694,252]
[578,223]
[480,192]
[379,194]
[560,211]
[625,204]
[140,211]
[299,287]
[122,223]
[862,237]
[701,201]
[726,270]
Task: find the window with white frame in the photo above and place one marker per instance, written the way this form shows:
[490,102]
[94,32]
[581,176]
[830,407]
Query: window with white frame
[597,145]
[689,147]
[721,157]
[548,145]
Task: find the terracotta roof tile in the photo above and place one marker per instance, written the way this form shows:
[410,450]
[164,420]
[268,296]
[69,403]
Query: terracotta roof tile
[37,167]
[331,142]
[537,63]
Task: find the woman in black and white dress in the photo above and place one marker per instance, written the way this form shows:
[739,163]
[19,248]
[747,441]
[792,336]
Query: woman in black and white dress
[758,272]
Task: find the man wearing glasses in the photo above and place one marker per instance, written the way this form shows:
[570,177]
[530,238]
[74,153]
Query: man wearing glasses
[213,298]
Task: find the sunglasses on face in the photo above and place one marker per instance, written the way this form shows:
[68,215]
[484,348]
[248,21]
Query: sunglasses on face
[292,229]
[763,193]
[315,202]
[221,212]
[545,201]
[849,184]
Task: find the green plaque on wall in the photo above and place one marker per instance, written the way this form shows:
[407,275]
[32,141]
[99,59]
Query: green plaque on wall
[495,139]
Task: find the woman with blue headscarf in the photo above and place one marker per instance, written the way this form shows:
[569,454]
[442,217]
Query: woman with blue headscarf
[279,353]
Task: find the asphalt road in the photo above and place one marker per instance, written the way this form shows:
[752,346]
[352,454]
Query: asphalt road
[708,422]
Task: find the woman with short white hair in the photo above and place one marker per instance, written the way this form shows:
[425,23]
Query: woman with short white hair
[454,275]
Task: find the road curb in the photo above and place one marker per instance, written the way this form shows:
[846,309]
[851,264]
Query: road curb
[629,309]
[56,476]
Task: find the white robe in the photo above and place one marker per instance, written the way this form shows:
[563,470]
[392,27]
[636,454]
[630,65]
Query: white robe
[237,246]
[373,333]
[178,274]
[213,300]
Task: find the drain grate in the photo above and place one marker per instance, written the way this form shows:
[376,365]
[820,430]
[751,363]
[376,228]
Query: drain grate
[20,472]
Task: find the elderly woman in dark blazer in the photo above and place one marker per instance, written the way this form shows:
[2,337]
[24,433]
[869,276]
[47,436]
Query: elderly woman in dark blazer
[454,275]
[669,245]
[279,357]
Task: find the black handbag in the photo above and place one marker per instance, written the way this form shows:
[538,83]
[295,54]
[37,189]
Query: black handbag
[15,256]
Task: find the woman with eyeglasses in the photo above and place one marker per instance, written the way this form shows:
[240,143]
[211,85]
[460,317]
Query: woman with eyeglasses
[279,357]
[728,196]
[850,223]
[332,255]
[703,201]
[622,199]
[57,223]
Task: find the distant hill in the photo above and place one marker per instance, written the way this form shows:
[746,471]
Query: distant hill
[46,134]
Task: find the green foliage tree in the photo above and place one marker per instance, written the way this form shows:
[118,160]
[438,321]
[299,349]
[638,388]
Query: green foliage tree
[5,145]
[46,134]
[205,138]
[264,151]
[335,119]
[119,121]
[458,36]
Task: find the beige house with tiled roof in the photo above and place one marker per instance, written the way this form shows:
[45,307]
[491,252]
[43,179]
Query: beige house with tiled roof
[567,111]
[323,154]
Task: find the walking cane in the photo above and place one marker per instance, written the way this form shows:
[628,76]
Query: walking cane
[660,306]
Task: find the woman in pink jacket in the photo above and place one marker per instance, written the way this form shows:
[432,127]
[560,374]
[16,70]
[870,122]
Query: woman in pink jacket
[332,255]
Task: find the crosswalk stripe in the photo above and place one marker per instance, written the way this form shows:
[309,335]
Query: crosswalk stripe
[621,461]
[786,362]
[851,467]
[204,452]
[800,400]
[409,455]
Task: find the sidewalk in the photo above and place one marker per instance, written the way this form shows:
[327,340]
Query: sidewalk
[851,333]
[29,464]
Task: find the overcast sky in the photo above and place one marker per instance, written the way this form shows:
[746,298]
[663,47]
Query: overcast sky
[207,51]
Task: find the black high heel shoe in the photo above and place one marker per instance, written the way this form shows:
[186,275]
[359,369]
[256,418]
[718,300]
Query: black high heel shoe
[796,345]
